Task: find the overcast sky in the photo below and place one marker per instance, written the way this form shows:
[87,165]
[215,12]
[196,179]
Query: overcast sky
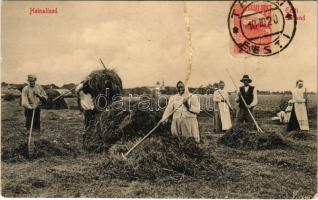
[145,42]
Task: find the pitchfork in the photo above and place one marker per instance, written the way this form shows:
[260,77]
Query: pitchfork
[249,111]
[158,124]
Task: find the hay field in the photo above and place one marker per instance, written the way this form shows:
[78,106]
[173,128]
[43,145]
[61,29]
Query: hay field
[63,169]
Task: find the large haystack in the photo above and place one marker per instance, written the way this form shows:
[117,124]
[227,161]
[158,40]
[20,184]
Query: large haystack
[245,136]
[113,125]
[8,97]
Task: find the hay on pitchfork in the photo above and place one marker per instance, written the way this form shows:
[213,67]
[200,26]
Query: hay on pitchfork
[244,136]
[102,80]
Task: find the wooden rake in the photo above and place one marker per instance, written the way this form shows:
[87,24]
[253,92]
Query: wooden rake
[125,155]
[249,111]
[30,133]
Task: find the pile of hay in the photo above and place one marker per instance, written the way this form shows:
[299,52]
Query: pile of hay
[102,80]
[8,97]
[160,156]
[41,148]
[245,136]
[123,125]
[57,104]
[299,135]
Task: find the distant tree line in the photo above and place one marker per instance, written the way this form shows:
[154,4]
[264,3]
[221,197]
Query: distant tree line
[168,90]
[20,86]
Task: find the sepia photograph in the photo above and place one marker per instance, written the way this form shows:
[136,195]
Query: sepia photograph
[159,99]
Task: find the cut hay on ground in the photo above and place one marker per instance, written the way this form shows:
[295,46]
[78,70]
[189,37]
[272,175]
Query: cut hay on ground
[112,126]
[164,155]
[299,135]
[245,136]
[41,148]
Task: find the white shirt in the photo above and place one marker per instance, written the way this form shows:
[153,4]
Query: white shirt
[221,95]
[29,96]
[87,102]
[176,102]
[298,95]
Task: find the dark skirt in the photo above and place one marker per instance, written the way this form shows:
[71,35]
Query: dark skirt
[217,121]
[293,122]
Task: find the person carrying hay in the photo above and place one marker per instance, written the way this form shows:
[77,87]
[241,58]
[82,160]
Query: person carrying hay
[298,118]
[31,98]
[87,104]
[249,93]
[222,118]
[184,119]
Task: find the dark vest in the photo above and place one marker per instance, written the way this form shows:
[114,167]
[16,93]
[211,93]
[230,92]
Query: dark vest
[248,96]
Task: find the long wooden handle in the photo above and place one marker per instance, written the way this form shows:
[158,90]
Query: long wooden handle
[56,98]
[140,141]
[154,128]
[254,120]
[103,63]
[30,133]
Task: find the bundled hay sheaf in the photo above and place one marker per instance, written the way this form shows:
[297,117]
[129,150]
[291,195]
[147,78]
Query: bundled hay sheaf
[245,136]
[113,125]
[163,155]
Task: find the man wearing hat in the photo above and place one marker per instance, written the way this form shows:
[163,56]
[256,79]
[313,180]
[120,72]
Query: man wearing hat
[31,97]
[249,94]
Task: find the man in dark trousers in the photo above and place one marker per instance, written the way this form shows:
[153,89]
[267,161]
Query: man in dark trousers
[249,93]
[31,98]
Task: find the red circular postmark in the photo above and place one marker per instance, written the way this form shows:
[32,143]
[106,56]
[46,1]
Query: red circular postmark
[262,28]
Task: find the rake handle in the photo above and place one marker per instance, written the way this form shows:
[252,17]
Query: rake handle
[56,98]
[154,128]
[30,133]
[140,141]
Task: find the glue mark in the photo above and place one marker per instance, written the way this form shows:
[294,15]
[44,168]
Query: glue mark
[189,45]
